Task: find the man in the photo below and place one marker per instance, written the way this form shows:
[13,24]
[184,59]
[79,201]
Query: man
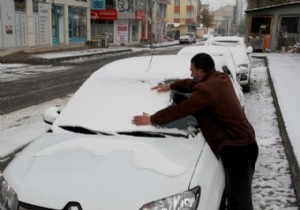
[214,104]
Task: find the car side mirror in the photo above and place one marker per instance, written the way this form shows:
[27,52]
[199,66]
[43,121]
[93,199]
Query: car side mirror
[51,114]
[249,49]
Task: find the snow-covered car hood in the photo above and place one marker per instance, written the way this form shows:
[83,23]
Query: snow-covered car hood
[111,170]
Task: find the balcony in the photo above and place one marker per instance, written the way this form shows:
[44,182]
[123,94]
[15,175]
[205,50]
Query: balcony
[190,8]
[177,9]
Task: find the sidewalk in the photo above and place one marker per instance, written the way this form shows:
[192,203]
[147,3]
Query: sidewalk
[284,77]
[54,54]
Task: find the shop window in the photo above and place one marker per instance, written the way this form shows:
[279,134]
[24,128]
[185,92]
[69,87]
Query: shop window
[289,25]
[77,23]
[103,4]
[261,25]
[20,5]
[110,4]
[35,6]
[289,32]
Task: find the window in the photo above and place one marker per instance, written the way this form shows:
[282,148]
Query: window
[77,22]
[20,5]
[289,25]
[261,25]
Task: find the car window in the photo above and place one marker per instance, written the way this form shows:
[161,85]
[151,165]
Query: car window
[186,123]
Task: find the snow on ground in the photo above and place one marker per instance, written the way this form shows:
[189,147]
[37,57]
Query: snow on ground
[272,187]
[10,72]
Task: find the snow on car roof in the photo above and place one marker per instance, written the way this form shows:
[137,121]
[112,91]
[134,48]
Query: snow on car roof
[225,41]
[110,98]
[221,55]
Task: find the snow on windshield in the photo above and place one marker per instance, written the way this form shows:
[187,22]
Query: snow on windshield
[114,94]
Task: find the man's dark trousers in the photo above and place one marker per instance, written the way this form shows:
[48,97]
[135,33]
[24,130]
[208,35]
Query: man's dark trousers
[239,165]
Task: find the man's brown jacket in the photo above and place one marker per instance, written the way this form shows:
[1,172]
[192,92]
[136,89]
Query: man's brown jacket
[213,102]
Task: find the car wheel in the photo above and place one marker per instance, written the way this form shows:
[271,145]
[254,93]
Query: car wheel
[223,202]
[246,87]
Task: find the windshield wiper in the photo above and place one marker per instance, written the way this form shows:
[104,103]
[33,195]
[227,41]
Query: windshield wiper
[79,129]
[152,134]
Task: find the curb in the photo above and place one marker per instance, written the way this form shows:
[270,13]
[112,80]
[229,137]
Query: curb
[47,60]
[292,160]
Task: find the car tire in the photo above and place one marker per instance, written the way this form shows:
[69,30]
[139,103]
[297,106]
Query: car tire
[246,87]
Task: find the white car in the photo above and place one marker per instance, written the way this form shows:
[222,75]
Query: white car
[186,39]
[224,62]
[95,158]
[240,54]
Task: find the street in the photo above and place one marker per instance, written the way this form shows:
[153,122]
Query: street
[46,85]
[272,187]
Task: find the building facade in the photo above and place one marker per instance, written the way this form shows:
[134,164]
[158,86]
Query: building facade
[181,17]
[223,20]
[278,26]
[36,23]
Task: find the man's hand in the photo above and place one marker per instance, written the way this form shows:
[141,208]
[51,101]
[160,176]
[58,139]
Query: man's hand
[141,119]
[162,88]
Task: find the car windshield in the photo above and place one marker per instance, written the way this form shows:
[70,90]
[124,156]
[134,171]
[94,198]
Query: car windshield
[108,100]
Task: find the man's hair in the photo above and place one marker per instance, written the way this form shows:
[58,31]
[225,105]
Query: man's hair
[203,61]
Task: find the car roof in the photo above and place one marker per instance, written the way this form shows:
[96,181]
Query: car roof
[227,38]
[225,41]
[221,55]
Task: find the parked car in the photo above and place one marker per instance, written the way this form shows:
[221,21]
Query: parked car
[240,54]
[224,62]
[95,158]
[192,34]
[185,39]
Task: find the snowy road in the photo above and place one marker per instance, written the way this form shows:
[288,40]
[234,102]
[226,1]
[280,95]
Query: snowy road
[272,187]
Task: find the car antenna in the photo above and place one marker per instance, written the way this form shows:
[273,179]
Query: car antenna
[152,54]
[153,46]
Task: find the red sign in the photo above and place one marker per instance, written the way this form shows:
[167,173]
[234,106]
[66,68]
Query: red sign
[140,14]
[104,15]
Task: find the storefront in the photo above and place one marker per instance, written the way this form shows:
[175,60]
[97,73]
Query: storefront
[30,23]
[77,24]
[278,26]
[102,23]
[129,23]
[122,21]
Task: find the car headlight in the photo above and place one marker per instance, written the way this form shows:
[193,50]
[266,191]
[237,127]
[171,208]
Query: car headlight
[8,197]
[187,200]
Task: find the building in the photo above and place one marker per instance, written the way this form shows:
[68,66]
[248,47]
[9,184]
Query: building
[48,23]
[35,23]
[121,21]
[181,17]
[278,26]
[223,20]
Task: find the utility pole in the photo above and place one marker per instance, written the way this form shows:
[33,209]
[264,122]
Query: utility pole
[151,4]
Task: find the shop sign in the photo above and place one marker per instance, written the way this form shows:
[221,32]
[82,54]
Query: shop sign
[104,15]
[140,14]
